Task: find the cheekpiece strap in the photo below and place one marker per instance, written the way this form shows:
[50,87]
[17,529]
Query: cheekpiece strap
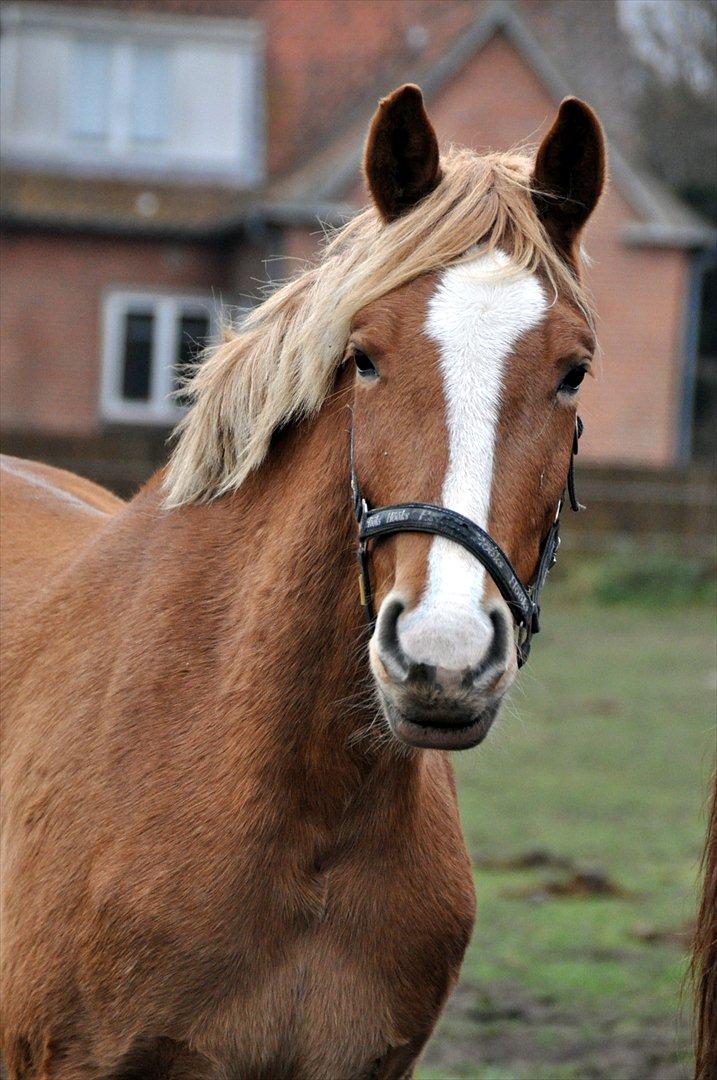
[575,505]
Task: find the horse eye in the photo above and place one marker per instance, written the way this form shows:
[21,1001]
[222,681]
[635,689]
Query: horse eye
[572,380]
[364,365]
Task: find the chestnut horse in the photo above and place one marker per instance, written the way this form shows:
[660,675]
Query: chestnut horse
[704,955]
[232,846]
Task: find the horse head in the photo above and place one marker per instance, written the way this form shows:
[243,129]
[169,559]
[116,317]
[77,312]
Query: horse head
[464,397]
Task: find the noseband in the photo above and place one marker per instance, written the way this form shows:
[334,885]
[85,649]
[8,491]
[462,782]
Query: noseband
[523,600]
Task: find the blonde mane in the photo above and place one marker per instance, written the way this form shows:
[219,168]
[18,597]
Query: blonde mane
[281,364]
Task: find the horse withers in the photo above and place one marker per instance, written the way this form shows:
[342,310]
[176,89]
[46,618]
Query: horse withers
[231,840]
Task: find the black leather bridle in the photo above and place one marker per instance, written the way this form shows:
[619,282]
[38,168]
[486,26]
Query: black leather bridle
[523,601]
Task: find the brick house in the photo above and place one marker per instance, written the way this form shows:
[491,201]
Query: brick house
[156,152]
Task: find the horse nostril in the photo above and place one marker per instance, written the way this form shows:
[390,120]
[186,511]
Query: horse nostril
[392,656]
[493,664]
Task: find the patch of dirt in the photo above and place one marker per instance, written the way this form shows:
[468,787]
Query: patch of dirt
[603,707]
[582,884]
[537,859]
[508,1030]
[681,936]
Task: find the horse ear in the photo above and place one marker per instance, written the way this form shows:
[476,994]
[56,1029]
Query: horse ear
[401,159]
[569,173]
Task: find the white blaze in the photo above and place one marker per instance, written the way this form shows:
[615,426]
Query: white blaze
[476,318]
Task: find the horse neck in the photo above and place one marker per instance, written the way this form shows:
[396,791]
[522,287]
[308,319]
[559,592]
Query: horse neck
[262,585]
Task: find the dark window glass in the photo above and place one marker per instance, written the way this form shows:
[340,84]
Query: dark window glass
[193,337]
[704,442]
[137,368]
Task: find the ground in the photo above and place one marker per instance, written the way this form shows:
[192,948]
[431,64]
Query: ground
[584,813]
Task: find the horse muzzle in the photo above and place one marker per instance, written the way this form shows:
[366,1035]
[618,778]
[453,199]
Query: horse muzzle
[441,707]
[450,727]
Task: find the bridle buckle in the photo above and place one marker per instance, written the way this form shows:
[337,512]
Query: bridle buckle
[362,590]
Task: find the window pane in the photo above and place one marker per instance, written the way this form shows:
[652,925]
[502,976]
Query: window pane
[150,95]
[137,366]
[193,337]
[90,95]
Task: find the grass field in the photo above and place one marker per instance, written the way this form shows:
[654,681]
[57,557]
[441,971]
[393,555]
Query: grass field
[584,815]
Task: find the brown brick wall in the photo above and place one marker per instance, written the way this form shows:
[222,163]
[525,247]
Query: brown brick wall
[632,408]
[51,290]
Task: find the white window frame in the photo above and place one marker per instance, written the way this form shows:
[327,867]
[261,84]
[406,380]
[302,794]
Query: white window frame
[167,309]
[121,155]
[120,141]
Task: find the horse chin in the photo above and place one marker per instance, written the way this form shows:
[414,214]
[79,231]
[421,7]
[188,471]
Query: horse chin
[438,730]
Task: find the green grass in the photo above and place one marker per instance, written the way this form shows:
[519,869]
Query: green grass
[602,759]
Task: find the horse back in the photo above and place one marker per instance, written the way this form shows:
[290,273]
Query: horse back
[47,516]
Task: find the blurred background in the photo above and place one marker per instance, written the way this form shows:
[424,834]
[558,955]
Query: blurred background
[162,158]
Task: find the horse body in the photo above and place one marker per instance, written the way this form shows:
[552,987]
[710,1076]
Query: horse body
[202,844]
[231,840]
